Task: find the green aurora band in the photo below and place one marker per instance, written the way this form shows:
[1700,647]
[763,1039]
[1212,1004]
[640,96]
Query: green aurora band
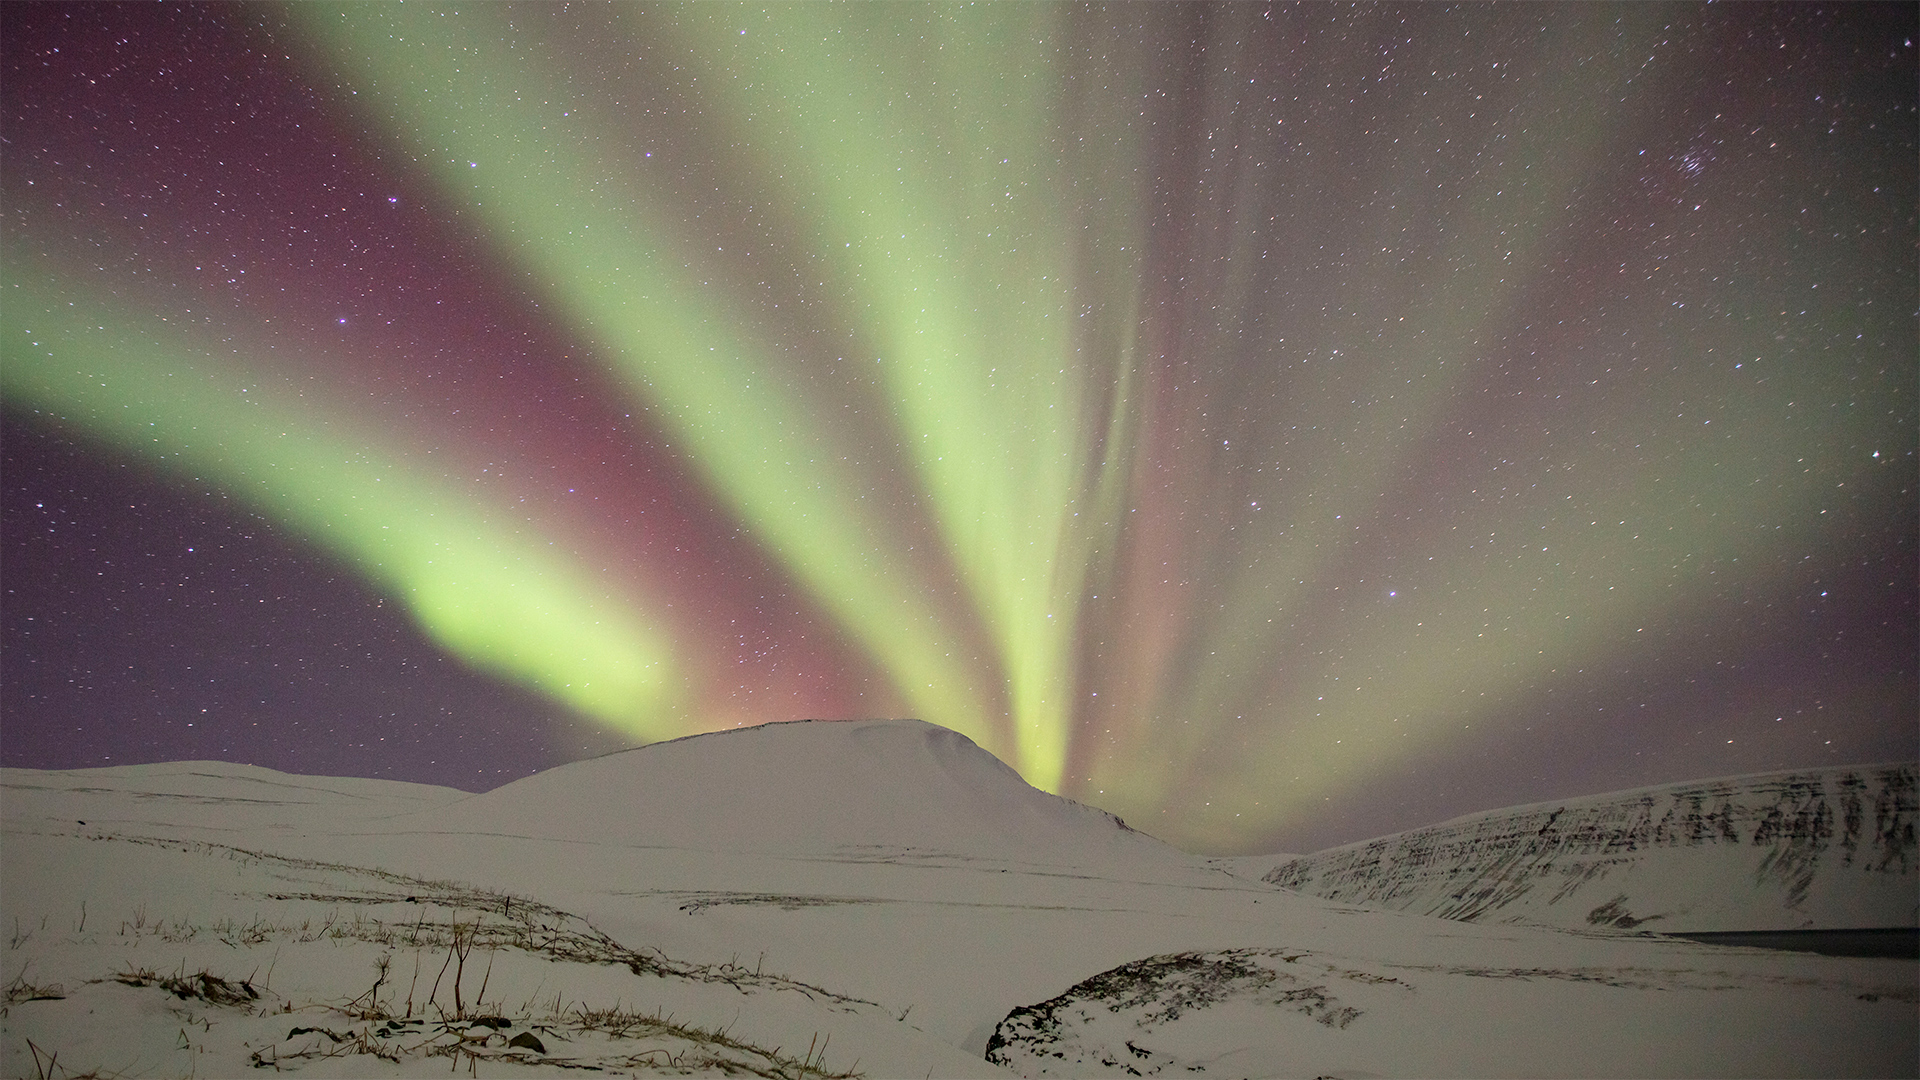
[505,601]
[976,362]
[885,273]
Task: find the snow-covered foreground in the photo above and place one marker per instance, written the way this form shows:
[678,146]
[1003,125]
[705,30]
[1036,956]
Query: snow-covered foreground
[807,900]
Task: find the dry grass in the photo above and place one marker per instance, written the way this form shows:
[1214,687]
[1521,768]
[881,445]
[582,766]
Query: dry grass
[20,990]
[452,923]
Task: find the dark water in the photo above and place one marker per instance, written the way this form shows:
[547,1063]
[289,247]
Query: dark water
[1898,941]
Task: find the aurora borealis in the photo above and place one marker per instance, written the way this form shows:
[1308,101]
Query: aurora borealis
[1276,425]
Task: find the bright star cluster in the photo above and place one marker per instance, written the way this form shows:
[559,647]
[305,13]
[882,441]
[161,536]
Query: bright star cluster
[1274,424]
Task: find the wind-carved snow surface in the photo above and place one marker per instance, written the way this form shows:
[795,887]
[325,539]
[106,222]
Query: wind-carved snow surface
[1825,849]
[804,901]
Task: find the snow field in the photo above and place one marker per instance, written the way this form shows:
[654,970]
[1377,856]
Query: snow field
[792,921]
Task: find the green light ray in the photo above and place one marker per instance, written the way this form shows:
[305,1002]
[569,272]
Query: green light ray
[1430,334]
[498,597]
[608,256]
[926,136]
[1619,560]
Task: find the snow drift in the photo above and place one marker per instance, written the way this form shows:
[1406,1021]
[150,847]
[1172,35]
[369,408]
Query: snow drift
[1823,849]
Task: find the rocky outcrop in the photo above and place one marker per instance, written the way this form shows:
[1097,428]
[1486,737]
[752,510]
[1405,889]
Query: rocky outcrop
[1810,849]
[1129,1020]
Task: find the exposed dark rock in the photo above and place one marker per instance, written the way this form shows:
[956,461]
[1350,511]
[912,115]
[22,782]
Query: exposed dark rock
[1801,828]
[1109,1020]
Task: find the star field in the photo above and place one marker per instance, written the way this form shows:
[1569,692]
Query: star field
[1276,425]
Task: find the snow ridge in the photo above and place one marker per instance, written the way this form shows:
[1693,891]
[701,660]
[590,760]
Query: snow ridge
[1808,849]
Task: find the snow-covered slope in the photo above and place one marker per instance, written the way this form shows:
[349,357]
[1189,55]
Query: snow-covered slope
[1818,849]
[805,901]
[1298,1012]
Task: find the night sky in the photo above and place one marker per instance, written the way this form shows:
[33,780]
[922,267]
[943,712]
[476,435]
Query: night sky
[1276,425]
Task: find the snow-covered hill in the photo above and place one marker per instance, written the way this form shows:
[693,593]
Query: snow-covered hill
[806,901]
[874,786]
[1822,849]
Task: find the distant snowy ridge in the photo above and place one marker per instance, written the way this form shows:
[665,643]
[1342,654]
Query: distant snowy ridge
[214,796]
[1811,849]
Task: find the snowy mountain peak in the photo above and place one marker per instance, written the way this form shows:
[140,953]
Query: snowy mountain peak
[882,786]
